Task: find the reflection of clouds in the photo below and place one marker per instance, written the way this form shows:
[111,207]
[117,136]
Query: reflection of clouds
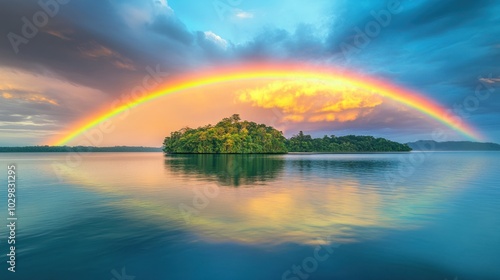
[298,213]
[353,203]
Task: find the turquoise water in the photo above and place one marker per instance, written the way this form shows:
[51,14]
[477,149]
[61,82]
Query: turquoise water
[147,216]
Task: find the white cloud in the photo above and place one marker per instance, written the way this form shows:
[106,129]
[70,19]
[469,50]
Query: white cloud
[244,15]
[136,15]
[161,7]
[209,35]
[490,80]
[162,3]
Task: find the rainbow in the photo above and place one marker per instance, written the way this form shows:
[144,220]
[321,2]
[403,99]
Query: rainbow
[283,71]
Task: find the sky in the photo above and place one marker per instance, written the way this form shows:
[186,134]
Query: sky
[64,61]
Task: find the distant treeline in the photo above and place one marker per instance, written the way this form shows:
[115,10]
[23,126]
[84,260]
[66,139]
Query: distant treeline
[431,145]
[343,144]
[85,149]
[231,135]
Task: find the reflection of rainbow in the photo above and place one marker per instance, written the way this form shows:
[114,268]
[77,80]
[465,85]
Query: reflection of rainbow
[284,71]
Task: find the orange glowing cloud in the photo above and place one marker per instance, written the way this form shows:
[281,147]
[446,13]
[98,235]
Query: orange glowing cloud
[31,97]
[94,50]
[313,102]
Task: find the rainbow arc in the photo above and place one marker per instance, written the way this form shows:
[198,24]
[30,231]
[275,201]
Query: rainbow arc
[285,71]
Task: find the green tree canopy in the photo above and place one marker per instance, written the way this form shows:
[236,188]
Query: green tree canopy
[230,135]
[343,144]
[234,136]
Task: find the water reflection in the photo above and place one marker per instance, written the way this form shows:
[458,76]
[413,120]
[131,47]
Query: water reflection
[303,163]
[291,199]
[228,170]
[115,207]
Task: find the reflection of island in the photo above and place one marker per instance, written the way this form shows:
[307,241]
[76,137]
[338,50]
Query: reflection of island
[346,163]
[228,169]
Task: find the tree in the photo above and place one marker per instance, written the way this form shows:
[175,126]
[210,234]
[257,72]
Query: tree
[230,135]
[349,143]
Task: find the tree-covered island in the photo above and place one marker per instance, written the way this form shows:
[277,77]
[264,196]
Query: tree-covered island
[234,136]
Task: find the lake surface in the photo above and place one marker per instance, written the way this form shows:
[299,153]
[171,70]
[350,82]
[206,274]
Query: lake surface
[128,216]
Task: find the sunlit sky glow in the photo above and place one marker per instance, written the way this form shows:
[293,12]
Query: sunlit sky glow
[92,54]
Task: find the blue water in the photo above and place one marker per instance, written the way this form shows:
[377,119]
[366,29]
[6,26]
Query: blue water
[147,216]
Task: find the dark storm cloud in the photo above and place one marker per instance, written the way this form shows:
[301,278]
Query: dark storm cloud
[173,29]
[121,54]
[441,49]
[92,44]
[411,34]
[436,17]
[275,43]
[271,43]
[454,40]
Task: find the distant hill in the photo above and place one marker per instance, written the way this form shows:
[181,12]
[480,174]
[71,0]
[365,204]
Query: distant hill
[66,149]
[426,145]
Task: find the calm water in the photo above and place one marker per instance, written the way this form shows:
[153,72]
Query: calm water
[365,216]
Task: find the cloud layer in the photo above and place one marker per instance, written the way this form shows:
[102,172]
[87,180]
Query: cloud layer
[445,50]
[301,101]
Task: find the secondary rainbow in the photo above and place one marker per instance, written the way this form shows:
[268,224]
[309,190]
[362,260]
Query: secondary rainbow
[284,71]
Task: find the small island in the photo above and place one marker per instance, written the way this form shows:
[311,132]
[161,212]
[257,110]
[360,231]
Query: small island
[234,136]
